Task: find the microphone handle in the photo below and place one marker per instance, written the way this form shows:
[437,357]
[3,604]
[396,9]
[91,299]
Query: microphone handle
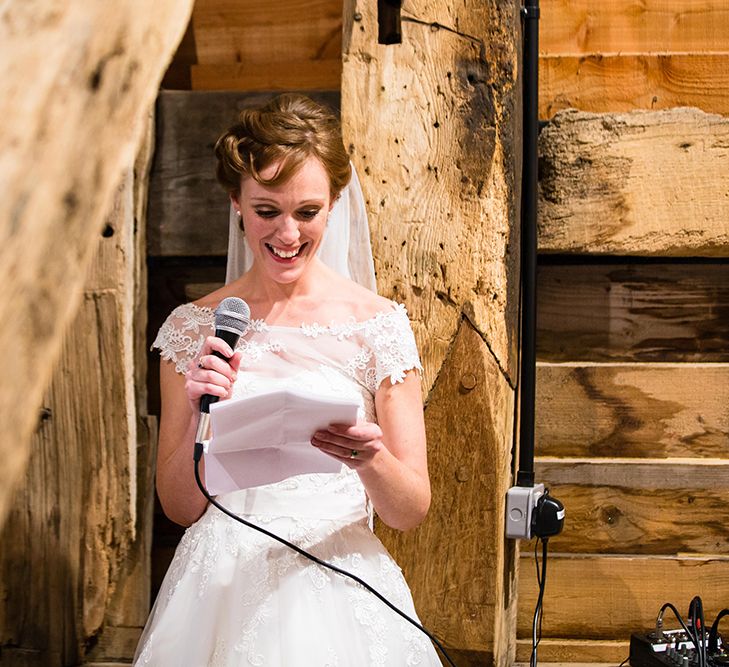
[232,338]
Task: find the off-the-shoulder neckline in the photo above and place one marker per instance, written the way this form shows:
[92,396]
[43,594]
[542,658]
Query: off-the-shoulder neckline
[259,324]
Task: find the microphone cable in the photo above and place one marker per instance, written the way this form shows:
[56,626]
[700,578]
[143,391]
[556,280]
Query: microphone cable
[198,455]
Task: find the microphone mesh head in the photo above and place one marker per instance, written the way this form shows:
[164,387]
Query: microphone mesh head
[234,314]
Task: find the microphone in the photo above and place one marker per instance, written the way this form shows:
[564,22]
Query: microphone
[232,317]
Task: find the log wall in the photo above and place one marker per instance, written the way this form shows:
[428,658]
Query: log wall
[620,55]
[632,418]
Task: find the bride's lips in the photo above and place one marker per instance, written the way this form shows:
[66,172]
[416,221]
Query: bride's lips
[272,251]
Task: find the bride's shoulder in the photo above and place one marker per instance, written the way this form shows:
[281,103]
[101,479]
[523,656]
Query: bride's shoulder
[362,304]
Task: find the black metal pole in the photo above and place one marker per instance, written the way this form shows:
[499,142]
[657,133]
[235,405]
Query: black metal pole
[527,379]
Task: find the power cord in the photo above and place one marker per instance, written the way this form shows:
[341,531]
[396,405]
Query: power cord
[539,608]
[198,455]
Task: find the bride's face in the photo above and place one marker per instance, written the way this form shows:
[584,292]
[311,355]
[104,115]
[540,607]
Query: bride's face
[284,225]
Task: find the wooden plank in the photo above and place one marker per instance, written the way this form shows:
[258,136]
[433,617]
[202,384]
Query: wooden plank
[657,506]
[258,46]
[603,598]
[289,75]
[233,13]
[666,312]
[188,209]
[564,652]
[640,183]
[575,27]
[107,62]
[632,410]
[628,82]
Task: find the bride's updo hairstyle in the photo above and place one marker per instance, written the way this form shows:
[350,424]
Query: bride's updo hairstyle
[288,130]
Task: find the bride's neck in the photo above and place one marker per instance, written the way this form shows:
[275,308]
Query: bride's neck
[277,302]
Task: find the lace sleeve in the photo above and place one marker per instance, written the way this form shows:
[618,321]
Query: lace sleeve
[182,334]
[393,343]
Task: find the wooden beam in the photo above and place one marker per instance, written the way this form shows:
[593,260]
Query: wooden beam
[614,83]
[598,599]
[577,27]
[633,312]
[656,506]
[632,410]
[432,127]
[86,108]
[641,183]
[74,583]
[458,595]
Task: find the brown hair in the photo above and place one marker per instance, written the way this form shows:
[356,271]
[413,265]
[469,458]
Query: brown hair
[289,129]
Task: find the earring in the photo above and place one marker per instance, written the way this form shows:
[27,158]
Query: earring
[240,222]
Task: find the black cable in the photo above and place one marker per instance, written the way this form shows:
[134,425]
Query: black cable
[538,608]
[668,605]
[714,632]
[624,662]
[311,557]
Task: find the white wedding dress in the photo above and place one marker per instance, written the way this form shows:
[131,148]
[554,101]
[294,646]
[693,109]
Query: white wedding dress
[234,597]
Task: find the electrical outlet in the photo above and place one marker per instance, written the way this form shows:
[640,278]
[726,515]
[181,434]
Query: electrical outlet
[520,504]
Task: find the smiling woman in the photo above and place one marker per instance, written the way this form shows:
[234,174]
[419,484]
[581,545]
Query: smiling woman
[284,224]
[312,328]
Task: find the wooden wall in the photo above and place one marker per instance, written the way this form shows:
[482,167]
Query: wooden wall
[632,423]
[620,55]
[633,375]
[258,45]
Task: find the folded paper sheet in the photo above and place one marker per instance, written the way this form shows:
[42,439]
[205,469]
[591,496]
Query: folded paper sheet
[266,438]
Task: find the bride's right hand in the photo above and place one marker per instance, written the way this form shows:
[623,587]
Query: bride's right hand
[208,374]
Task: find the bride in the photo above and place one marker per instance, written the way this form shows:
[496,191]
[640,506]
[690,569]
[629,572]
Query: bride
[233,596]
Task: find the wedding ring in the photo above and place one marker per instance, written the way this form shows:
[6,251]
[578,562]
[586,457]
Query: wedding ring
[200,363]
[354,454]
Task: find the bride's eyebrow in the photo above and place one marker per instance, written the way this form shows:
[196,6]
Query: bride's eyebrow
[273,202]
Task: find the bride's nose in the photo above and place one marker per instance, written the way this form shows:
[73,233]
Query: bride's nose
[288,230]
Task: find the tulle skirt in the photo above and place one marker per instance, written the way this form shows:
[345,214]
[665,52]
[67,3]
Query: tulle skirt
[234,597]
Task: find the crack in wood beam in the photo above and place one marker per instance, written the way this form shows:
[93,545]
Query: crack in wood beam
[485,339]
[435,26]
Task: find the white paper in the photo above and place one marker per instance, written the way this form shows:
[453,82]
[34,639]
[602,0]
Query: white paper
[266,438]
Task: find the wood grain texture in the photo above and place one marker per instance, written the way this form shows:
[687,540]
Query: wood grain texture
[633,312]
[632,410]
[188,209]
[640,183]
[609,597]
[438,166]
[432,126]
[615,83]
[84,114]
[258,33]
[458,563]
[74,574]
[626,506]
[290,75]
[573,652]
[576,27]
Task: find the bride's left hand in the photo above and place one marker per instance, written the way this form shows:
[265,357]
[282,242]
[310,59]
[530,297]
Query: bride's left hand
[355,446]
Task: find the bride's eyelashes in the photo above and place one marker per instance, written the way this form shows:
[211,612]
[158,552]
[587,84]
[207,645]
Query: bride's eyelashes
[305,214]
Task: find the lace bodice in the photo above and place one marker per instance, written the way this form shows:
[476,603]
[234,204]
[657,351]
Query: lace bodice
[367,352]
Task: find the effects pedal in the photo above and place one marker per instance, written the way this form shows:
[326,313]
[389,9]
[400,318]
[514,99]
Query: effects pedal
[674,648]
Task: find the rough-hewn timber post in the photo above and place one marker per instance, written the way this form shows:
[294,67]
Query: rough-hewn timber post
[78,80]
[432,126]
